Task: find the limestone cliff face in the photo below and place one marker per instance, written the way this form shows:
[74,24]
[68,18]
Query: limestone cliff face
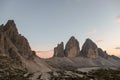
[59,50]
[9,34]
[72,47]
[13,45]
[10,58]
[89,49]
[16,47]
[2,51]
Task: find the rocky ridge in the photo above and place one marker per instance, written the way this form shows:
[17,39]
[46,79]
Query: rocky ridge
[72,49]
[15,51]
[19,62]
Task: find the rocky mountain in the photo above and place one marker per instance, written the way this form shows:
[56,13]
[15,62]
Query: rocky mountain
[15,50]
[19,62]
[89,56]
[72,47]
[89,49]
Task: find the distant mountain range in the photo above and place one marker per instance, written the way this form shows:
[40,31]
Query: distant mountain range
[15,50]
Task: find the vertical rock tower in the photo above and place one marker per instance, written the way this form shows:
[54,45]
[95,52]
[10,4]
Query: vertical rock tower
[72,47]
[89,49]
[59,50]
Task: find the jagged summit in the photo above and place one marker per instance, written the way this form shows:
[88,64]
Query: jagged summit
[11,26]
[10,33]
[72,38]
[90,44]
[16,47]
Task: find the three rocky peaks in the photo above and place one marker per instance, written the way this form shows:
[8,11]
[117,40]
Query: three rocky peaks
[21,45]
[72,49]
[17,58]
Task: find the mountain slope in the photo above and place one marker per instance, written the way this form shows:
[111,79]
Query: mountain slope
[17,58]
[16,47]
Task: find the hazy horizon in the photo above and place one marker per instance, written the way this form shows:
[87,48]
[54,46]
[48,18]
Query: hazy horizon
[45,23]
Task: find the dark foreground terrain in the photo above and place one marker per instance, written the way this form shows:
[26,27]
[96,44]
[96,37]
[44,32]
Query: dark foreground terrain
[10,71]
[100,74]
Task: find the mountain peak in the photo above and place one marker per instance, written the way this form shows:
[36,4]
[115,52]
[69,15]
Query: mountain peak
[89,40]
[72,37]
[90,44]
[12,37]
[72,48]
[10,25]
[89,49]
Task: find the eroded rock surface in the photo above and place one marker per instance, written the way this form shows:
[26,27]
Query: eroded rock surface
[72,47]
[102,53]
[89,49]
[59,50]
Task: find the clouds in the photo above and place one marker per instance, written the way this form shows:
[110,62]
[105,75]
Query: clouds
[99,40]
[92,32]
[117,48]
[117,19]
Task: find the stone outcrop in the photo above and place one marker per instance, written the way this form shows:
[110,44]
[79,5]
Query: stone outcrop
[102,53]
[59,50]
[9,33]
[72,48]
[89,49]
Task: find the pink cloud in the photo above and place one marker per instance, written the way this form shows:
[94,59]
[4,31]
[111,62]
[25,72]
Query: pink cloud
[117,19]
[92,32]
[99,40]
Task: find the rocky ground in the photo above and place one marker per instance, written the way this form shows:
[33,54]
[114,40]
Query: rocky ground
[9,70]
[99,74]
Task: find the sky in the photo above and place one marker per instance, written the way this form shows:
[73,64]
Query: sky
[45,23]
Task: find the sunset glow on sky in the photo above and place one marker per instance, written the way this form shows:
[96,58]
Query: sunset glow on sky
[45,23]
